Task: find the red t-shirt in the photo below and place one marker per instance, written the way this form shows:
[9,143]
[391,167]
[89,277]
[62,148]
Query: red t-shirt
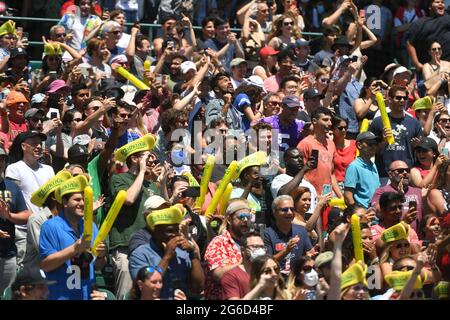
[235,283]
[342,158]
[15,129]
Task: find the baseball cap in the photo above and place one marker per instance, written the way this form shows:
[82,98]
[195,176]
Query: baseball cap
[428,144]
[301,43]
[37,98]
[58,85]
[268,51]
[186,66]
[19,52]
[400,70]
[82,139]
[311,93]
[367,135]
[331,29]
[256,81]
[121,58]
[341,41]
[154,202]
[32,112]
[236,206]
[237,61]
[30,276]
[323,258]
[291,101]
[15,97]
[77,150]
[30,134]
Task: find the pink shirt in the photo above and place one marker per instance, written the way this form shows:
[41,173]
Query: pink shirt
[377,230]
[272,84]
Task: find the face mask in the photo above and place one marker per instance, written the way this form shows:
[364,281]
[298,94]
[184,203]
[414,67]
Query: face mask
[255,253]
[320,9]
[311,278]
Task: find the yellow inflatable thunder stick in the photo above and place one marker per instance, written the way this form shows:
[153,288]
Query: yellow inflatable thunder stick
[146,68]
[110,218]
[357,240]
[230,173]
[88,212]
[135,81]
[192,181]
[384,115]
[337,202]
[364,127]
[206,176]
[224,200]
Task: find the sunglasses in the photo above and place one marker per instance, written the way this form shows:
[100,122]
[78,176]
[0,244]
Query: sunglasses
[288,23]
[342,128]
[243,216]
[307,268]
[125,115]
[360,287]
[286,209]
[401,98]
[401,170]
[77,119]
[324,80]
[436,49]
[275,103]
[60,35]
[37,119]
[444,120]
[402,245]
[270,270]
[152,269]
[406,268]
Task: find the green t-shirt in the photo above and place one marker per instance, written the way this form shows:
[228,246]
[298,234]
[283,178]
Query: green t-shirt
[130,218]
[96,178]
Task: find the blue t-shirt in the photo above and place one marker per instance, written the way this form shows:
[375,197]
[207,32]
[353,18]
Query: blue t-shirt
[240,103]
[276,241]
[288,136]
[217,46]
[75,277]
[403,129]
[346,101]
[127,137]
[177,274]
[363,178]
[13,197]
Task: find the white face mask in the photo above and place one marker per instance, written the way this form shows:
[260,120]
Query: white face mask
[255,253]
[311,278]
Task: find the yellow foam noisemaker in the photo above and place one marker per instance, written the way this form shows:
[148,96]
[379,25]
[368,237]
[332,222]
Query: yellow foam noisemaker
[135,81]
[225,198]
[39,197]
[356,273]
[384,115]
[363,128]
[423,103]
[206,176]
[72,185]
[192,181]
[396,232]
[337,202]
[109,220]
[357,240]
[88,212]
[9,27]
[146,68]
[441,290]
[230,173]
[398,279]
[52,49]
[255,159]
[145,143]
[172,215]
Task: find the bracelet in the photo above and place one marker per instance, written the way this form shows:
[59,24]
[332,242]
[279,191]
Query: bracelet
[375,261]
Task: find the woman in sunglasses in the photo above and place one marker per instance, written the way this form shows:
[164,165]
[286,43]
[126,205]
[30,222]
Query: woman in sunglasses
[436,65]
[148,285]
[284,32]
[266,282]
[303,279]
[427,163]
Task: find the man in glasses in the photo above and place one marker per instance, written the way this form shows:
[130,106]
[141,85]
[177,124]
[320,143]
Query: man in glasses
[284,240]
[223,252]
[34,118]
[361,176]
[399,182]
[404,129]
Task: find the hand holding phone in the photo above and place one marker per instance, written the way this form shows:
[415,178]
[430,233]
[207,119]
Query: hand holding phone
[315,157]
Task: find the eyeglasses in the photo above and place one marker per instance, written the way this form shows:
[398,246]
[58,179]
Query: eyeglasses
[436,49]
[342,128]
[402,245]
[324,80]
[288,23]
[60,35]
[401,170]
[444,120]
[152,269]
[125,115]
[270,270]
[243,216]
[286,209]
[401,98]
[77,119]
[307,268]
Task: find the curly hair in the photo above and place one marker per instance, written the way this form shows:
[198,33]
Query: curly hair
[278,24]
[256,272]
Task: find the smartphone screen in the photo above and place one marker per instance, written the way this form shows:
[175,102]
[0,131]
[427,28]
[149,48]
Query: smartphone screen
[326,189]
[413,204]
[362,13]
[53,115]
[315,157]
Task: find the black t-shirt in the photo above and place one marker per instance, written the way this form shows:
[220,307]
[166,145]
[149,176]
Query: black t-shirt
[425,31]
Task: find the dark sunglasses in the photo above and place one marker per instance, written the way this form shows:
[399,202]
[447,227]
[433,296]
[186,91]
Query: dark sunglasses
[125,115]
[37,119]
[60,35]
[77,119]
[243,216]
[307,268]
[324,80]
[436,49]
[269,270]
[342,128]
[405,268]
[402,245]
[286,209]
[288,23]
[275,103]
[152,269]
[401,170]
[360,287]
[444,120]
[401,98]
[54,58]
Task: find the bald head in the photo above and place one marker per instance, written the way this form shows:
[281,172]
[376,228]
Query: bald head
[397,164]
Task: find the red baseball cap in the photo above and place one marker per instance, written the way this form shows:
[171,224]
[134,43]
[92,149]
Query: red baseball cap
[268,51]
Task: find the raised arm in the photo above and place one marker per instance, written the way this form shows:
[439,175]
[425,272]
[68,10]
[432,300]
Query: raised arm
[338,236]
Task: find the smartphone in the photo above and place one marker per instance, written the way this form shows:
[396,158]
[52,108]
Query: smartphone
[191,192]
[170,44]
[445,152]
[326,189]
[315,157]
[159,78]
[440,99]
[354,58]
[412,204]
[53,115]
[52,75]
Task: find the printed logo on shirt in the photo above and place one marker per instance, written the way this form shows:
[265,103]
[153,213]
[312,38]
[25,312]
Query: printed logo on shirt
[280,246]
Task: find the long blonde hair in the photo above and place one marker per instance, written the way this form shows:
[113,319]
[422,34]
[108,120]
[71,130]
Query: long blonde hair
[256,272]
[278,25]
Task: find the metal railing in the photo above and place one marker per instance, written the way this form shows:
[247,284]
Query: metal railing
[152,27]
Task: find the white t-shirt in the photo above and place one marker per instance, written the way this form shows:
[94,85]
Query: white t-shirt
[124,40]
[28,179]
[281,179]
